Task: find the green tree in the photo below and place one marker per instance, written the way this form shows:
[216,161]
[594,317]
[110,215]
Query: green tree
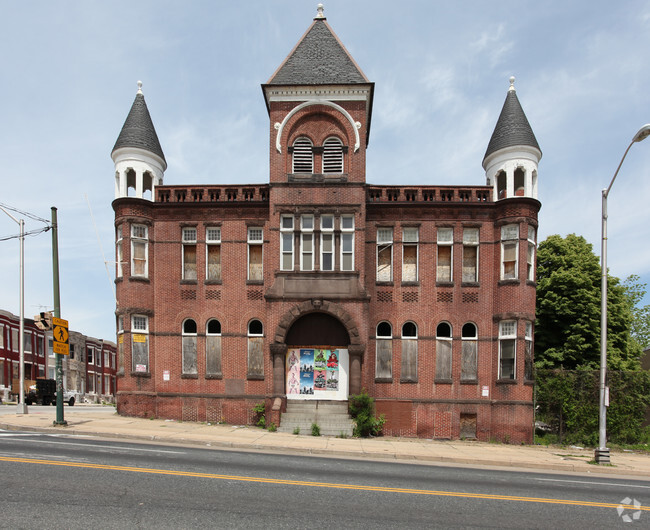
[567,331]
[635,291]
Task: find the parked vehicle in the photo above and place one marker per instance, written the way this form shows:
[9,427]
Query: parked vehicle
[43,392]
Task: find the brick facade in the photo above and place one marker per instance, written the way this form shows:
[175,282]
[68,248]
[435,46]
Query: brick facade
[418,397]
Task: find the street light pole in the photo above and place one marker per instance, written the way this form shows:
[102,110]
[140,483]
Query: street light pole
[602,453]
[21,408]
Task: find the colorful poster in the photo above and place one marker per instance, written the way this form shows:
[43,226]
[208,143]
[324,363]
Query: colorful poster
[320,380]
[307,372]
[332,380]
[316,373]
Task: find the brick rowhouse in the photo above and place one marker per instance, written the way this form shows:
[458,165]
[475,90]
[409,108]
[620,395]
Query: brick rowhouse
[317,284]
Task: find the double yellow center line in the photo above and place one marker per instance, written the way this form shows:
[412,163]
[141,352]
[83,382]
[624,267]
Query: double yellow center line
[331,485]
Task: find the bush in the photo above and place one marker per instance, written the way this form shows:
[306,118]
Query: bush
[315,429]
[272,427]
[362,409]
[260,418]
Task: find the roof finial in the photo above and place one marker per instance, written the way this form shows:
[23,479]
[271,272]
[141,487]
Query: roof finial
[512,83]
[139,87]
[320,15]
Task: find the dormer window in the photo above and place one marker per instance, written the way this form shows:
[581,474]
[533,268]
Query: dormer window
[332,156]
[303,156]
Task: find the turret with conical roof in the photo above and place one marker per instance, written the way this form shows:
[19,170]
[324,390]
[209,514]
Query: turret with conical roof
[139,160]
[513,154]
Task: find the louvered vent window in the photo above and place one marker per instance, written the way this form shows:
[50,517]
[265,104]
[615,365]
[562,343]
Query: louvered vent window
[332,156]
[303,157]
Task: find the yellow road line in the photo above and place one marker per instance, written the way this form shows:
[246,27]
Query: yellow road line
[316,484]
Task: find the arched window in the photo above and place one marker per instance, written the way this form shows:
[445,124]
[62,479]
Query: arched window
[384,353]
[409,368]
[468,357]
[213,348]
[255,350]
[303,155]
[332,156]
[519,185]
[502,192]
[443,352]
[189,347]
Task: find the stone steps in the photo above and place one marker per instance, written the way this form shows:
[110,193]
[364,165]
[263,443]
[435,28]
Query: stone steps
[331,417]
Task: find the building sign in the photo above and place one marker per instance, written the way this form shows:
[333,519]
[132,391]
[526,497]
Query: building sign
[60,336]
[139,338]
[166,375]
[317,373]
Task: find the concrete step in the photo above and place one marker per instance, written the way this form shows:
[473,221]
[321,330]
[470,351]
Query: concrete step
[331,417]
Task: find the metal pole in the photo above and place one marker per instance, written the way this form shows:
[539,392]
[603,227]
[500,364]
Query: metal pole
[602,453]
[57,313]
[22,408]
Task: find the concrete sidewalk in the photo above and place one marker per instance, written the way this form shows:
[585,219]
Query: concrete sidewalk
[108,424]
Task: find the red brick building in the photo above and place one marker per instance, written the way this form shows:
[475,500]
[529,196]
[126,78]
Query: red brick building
[318,284]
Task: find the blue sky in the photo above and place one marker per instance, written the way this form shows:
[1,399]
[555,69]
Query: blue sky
[69,74]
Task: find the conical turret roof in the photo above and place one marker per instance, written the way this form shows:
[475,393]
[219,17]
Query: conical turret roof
[319,58]
[138,130]
[512,127]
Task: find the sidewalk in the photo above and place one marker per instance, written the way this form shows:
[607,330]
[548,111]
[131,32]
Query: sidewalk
[108,424]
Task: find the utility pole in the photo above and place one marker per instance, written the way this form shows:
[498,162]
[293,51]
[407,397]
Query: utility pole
[57,313]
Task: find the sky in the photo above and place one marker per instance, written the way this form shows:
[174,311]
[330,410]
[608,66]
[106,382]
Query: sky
[69,76]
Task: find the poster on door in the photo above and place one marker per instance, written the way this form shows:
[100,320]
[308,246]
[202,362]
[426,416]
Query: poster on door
[317,373]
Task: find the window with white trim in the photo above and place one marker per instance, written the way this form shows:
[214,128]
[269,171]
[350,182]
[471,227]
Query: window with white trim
[27,341]
[347,242]
[213,253]
[139,250]
[255,254]
[189,253]
[306,242]
[469,353]
[90,355]
[509,252]
[332,156]
[303,156]
[213,347]
[530,258]
[444,271]
[384,254]
[507,349]
[470,255]
[528,358]
[14,339]
[327,242]
[120,344]
[410,239]
[189,347]
[384,351]
[2,335]
[286,242]
[118,250]
[255,349]
[443,351]
[409,368]
[140,343]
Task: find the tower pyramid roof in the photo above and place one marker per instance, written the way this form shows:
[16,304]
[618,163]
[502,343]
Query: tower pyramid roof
[512,127]
[138,130]
[319,58]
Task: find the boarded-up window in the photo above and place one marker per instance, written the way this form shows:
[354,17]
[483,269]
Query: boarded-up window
[410,265]
[189,347]
[332,156]
[409,367]
[139,243]
[214,262]
[255,357]
[468,426]
[443,351]
[528,360]
[255,350]
[189,262]
[384,254]
[468,357]
[140,353]
[255,239]
[303,157]
[384,353]
[213,348]
[509,251]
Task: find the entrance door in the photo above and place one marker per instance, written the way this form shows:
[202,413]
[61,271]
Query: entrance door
[317,372]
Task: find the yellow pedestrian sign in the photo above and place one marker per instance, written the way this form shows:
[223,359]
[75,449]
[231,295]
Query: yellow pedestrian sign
[60,336]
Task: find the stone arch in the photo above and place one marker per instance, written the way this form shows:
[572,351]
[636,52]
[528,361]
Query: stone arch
[316,306]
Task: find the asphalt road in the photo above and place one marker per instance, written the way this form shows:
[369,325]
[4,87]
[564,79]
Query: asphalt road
[60,481]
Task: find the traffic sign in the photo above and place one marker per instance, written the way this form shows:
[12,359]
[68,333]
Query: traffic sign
[60,336]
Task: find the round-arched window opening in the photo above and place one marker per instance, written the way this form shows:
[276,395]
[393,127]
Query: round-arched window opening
[409,330]
[214,327]
[384,330]
[469,331]
[189,327]
[443,330]
[255,328]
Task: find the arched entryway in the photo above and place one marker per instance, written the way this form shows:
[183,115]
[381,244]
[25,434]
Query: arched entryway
[318,339]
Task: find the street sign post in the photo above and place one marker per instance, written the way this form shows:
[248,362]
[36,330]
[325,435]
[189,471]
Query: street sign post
[60,336]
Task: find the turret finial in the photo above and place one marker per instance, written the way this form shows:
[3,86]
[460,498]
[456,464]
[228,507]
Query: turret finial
[512,83]
[319,15]
[139,87]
